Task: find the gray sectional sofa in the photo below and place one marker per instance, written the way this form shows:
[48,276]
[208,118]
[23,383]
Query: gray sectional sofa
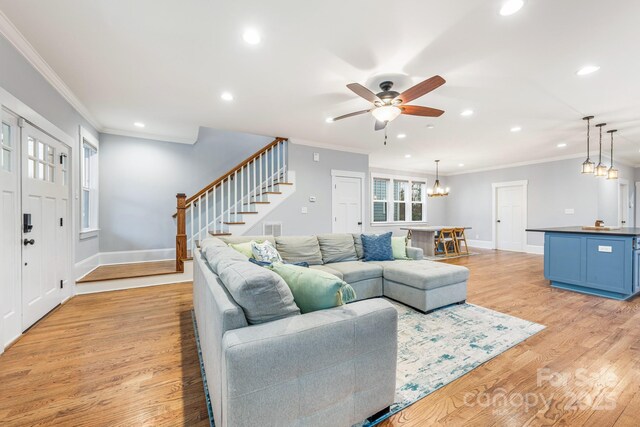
[333,367]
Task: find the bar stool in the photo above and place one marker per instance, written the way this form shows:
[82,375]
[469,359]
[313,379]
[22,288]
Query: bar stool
[446,243]
[459,236]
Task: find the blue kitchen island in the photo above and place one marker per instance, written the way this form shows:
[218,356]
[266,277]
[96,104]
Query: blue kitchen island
[595,262]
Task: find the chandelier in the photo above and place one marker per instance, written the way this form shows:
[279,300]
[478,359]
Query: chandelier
[437,190]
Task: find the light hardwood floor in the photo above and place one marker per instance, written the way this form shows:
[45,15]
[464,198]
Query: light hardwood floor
[127,271]
[128,358]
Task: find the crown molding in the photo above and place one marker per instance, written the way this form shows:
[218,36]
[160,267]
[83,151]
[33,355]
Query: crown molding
[22,45]
[335,147]
[143,135]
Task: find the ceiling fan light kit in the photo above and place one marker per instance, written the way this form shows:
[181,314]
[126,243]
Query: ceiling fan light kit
[388,104]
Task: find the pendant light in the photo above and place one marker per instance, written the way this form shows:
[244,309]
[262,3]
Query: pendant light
[437,190]
[588,166]
[601,170]
[612,173]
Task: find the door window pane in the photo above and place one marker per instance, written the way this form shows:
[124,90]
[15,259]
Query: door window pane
[6,135]
[40,171]
[40,151]
[31,147]
[31,166]
[51,174]
[379,189]
[379,211]
[6,159]
[85,208]
[416,212]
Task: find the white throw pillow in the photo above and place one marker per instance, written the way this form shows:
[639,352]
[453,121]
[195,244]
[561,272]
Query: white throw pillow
[265,252]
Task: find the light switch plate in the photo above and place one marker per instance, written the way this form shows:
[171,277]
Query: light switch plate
[304,210]
[569,211]
[316,157]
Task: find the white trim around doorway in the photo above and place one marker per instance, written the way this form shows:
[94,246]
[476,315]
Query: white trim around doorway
[494,210]
[348,174]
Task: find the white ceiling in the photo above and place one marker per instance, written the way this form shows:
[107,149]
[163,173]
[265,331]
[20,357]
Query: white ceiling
[166,62]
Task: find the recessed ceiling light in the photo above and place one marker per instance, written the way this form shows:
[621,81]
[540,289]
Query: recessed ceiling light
[587,69]
[407,156]
[251,36]
[562,145]
[460,165]
[510,7]
[329,120]
[516,129]
[402,135]
[430,126]
[139,124]
[226,96]
[467,113]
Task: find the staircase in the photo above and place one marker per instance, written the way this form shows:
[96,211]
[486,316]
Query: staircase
[236,201]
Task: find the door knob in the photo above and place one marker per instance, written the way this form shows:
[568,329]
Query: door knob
[359,223]
[29,242]
[498,221]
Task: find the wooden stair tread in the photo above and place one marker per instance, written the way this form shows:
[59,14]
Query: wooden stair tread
[243,213]
[219,234]
[272,192]
[129,271]
[257,203]
[234,223]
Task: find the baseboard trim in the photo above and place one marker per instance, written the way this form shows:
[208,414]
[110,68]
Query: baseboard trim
[480,244]
[87,265]
[534,249]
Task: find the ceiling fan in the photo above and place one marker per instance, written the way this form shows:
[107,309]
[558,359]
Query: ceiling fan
[389,104]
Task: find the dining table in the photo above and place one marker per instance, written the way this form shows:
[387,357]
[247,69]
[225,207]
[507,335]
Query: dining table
[423,236]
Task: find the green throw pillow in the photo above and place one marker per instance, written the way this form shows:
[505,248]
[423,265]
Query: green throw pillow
[243,248]
[399,247]
[314,289]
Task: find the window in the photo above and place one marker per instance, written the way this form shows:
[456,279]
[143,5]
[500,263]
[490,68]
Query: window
[380,199]
[88,184]
[403,196]
[6,148]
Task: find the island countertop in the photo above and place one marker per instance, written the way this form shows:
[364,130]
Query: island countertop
[624,231]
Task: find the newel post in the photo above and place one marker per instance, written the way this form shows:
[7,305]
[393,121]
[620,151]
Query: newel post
[181,233]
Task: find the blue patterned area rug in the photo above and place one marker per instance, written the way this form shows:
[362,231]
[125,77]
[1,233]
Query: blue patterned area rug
[436,348]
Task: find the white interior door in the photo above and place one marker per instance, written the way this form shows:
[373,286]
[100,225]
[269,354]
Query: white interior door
[45,247]
[10,244]
[623,205]
[347,204]
[510,218]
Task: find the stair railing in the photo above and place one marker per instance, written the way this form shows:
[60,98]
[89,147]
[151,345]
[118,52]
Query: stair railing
[222,203]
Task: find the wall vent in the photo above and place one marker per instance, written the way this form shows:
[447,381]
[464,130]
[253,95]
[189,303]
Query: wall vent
[272,228]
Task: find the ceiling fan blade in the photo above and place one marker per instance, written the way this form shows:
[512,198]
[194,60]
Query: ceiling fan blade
[415,110]
[363,92]
[357,113]
[421,88]
[380,125]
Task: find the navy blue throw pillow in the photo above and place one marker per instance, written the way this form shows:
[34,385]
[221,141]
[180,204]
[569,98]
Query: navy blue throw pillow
[377,248]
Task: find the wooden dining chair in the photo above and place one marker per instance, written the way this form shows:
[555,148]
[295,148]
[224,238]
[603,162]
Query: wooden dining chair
[446,243]
[460,237]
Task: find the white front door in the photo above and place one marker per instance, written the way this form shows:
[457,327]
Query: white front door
[10,243]
[45,208]
[347,204]
[510,220]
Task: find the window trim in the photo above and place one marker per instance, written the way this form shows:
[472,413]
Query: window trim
[391,199]
[92,231]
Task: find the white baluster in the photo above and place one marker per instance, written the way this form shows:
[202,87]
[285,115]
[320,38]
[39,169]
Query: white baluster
[192,238]
[229,199]
[279,151]
[214,210]
[235,196]
[206,211]
[273,166]
[200,219]
[285,145]
[221,205]
[255,190]
[260,180]
[242,172]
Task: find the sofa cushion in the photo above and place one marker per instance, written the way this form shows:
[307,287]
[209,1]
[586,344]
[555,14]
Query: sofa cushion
[399,247]
[243,248]
[337,247]
[357,242]
[299,248]
[423,274]
[314,289]
[328,269]
[218,257]
[377,247]
[263,295]
[265,252]
[245,239]
[354,271]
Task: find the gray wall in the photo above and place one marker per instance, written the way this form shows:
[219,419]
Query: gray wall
[436,206]
[552,188]
[139,179]
[19,78]
[314,179]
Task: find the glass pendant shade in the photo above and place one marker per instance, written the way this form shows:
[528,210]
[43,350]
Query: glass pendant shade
[386,113]
[588,166]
